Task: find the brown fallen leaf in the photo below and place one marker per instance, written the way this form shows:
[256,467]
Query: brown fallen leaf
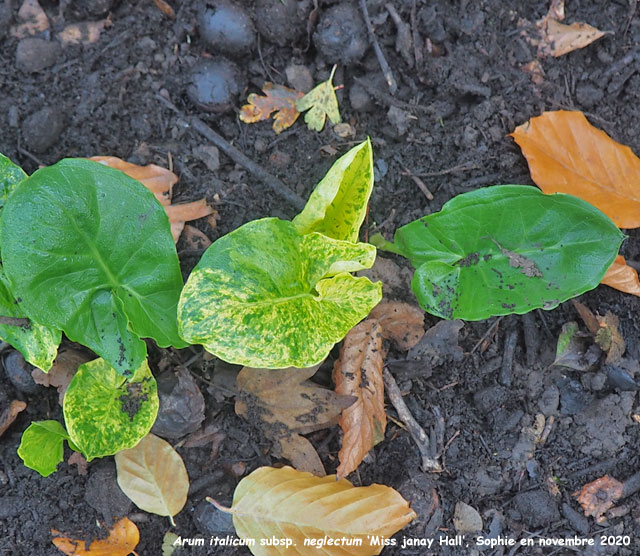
[309,510]
[122,540]
[85,32]
[590,320]
[622,277]
[283,403]
[165,8]
[32,20]
[78,460]
[278,99]
[535,71]
[399,322]
[62,371]
[567,154]
[609,338]
[600,495]
[160,182]
[194,239]
[302,455]
[358,372]
[9,414]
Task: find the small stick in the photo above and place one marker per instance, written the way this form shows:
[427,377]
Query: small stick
[486,335]
[507,358]
[386,70]
[452,170]
[238,157]
[531,338]
[418,182]
[417,40]
[415,430]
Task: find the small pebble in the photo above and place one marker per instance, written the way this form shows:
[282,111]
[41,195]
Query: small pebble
[281,21]
[33,54]
[299,77]
[537,508]
[226,27]
[341,36]
[19,372]
[42,129]
[359,98]
[211,521]
[215,84]
[466,519]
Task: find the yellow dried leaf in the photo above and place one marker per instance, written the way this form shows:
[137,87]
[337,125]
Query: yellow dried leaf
[306,510]
[152,474]
[559,39]
[122,540]
[278,99]
[358,372]
[622,277]
[399,322]
[321,102]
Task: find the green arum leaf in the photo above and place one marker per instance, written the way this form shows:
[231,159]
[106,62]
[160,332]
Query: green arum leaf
[338,205]
[267,296]
[89,251]
[105,413]
[507,249]
[41,447]
[10,176]
[38,344]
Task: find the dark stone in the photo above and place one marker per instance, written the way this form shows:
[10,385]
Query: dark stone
[226,27]
[42,129]
[341,36]
[620,378]
[181,405]
[19,372]
[577,520]
[215,84]
[33,54]
[573,398]
[211,521]
[281,21]
[537,508]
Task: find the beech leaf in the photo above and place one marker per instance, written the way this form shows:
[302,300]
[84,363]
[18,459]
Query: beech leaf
[622,277]
[558,39]
[321,102]
[567,154]
[358,372]
[399,322]
[308,510]
[152,474]
[122,540]
[278,99]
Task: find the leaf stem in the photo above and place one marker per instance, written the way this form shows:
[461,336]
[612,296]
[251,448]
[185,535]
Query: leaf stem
[380,243]
[219,506]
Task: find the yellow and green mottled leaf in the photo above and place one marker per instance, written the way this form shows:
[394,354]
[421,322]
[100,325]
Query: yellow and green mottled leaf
[338,205]
[321,101]
[10,176]
[38,344]
[267,296]
[41,447]
[105,413]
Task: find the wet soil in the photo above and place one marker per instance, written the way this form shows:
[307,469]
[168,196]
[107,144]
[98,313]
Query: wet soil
[448,124]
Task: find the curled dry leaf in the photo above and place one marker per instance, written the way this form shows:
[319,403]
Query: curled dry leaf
[622,277]
[160,182]
[9,414]
[283,404]
[152,474]
[309,510]
[64,367]
[567,154]
[600,495]
[399,322]
[122,540]
[278,99]
[609,338]
[358,372]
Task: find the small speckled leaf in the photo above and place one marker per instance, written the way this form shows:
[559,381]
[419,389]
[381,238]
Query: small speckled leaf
[41,447]
[321,101]
[105,413]
[153,475]
[285,503]
[507,249]
[72,274]
[338,205]
[122,540]
[267,296]
[10,176]
[38,344]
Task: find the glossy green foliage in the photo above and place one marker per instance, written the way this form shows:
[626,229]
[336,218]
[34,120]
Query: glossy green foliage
[507,249]
[338,205]
[105,413]
[267,296]
[89,251]
[10,176]
[42,446]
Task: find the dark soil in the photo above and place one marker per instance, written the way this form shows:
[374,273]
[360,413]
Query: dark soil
[448,123]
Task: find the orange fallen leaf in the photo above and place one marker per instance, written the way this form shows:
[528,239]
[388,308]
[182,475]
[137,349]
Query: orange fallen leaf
[622,277]
[165,8]
[122,539]
[587,316]
[600,495]
[160,182]
[358,372]
[9,415]
[279,99]
[567,154]
[399,322]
